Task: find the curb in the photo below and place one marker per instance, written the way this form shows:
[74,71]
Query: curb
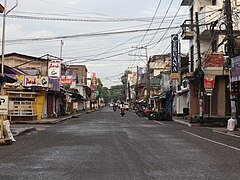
[25,130]
[55,121]
[226,133]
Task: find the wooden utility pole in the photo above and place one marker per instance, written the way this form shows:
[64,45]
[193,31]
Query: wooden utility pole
[136,86]
[230,50]
[200,71]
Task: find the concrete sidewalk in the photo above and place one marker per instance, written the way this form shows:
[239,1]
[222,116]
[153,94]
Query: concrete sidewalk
[221,130]
[21,127]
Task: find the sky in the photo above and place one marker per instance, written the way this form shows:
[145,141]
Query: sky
[107,36]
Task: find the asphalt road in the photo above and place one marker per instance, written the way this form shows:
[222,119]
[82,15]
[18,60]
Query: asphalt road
[105,146]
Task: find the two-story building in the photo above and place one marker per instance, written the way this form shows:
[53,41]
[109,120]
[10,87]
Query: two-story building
[34,95]
[208,69]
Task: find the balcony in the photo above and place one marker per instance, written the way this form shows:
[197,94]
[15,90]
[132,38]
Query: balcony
[187,30]
[207,15]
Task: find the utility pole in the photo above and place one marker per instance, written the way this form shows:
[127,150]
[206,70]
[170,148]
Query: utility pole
[61,49]
[148,81]
[5,12]
[136,87]
[230,52]
[148,70]
[200,71]
[129,93]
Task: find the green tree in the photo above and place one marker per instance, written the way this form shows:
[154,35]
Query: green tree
[115,92]
[103,92]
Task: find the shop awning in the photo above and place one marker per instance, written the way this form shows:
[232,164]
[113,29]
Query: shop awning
[5,78]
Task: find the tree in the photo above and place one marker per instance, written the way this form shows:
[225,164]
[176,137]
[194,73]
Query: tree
[103,92]
[115,93]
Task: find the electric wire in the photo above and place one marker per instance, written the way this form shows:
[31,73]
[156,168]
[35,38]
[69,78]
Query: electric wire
[159,2]
[162,21]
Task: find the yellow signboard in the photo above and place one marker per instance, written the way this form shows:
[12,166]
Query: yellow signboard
[174,76]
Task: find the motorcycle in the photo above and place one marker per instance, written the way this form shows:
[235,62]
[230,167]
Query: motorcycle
[114,108]
[122,111]
[162,114]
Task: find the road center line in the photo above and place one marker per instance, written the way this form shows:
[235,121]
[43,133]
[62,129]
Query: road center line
[212,141]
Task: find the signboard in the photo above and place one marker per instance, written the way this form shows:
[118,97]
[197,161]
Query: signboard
[65,81]
[174,52]
[209,82]
[41,81]
[54,69]
[54,84]
[75,105]
[3,104]
[94,81]
[19,78]
[235,68]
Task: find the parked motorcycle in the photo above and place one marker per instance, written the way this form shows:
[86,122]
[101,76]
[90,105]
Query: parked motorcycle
[161,115]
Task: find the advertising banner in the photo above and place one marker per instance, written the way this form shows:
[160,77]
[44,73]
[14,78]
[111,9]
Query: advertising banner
[235,68]
[41,81]
[209,81]
[65,81]
[19,78]
[54,69]
[174,52]
[94,81]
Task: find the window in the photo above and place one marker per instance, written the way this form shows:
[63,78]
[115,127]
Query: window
[214,2]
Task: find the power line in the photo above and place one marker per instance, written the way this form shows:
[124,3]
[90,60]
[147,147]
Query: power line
[162,21]
[85,35]
[151,22]
[101,20]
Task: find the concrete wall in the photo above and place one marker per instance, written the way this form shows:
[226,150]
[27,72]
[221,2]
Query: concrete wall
[13,61]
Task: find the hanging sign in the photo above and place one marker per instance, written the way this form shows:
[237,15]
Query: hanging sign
[54,69]
[94,81]
[65,81]
[209,84]
[209,81]
[174,52]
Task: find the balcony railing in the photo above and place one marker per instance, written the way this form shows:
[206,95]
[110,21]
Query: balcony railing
[187,30]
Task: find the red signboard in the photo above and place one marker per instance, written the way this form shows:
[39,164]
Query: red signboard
[94,81]
[209,81]
[65,81]
[214,60]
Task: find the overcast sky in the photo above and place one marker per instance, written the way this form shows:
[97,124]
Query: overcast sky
[101,34]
